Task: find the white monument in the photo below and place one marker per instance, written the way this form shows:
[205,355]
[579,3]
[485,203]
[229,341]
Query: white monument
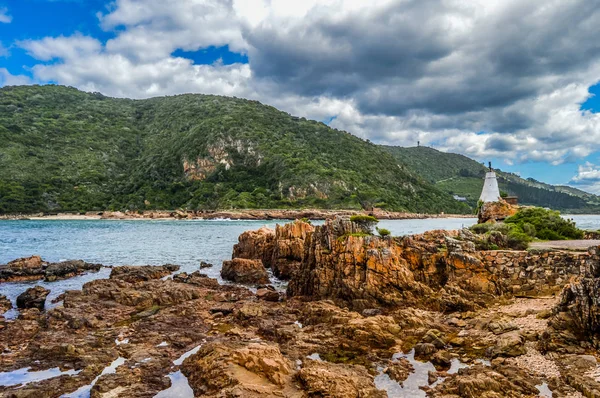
[490,192]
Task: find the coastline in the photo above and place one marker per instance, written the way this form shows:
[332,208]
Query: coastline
[267,214]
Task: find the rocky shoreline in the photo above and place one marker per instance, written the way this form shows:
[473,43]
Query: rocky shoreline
[363,316]
[268,214]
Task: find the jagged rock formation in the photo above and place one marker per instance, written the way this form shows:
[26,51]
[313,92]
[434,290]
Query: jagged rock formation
[256,245]
[288,250]
[578,310]
[281,250]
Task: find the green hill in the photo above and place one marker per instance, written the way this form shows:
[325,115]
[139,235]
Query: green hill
[66,150]
[460,175]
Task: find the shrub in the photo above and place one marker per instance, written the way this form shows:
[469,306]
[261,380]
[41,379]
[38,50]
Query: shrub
[544,224]
[365,222]
[383,232]
[481,228]
[518,240]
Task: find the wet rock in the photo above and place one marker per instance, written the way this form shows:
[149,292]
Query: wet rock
[196,278]
[399,370]
[68,269]
[323,379]
[245,271]
[34,297]
[256,245]
[435,337]
[442,359]
[204,264]
[133,274]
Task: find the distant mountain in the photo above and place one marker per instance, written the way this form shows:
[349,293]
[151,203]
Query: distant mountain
[62,149]
[462,176]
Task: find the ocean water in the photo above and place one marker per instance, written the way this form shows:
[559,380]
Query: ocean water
[145,242]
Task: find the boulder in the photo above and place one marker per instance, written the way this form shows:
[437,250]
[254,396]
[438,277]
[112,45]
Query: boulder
[230,369]
[324,379]
[509,344]
[268,294]
[242,270]
[34,297]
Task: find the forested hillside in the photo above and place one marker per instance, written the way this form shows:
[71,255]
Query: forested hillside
[460,175]
[66,150]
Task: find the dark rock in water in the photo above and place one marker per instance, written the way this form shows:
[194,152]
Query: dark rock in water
[424,350]
[246,271]
[5,304]
[204,264]
[67,269]
[34,268]
[34,297]
[133,274]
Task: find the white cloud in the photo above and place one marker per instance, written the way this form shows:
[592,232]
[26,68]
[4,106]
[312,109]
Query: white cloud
[486,78]
[68,49]
[4,17]
[7,79]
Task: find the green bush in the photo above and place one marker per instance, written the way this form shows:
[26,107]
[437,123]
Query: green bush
[518,240]
[383,232]
[365,222]
[544,224]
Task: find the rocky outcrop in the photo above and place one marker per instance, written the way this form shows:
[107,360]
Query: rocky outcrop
[496,211]
[245,271]
[256,245]
[34,268]
[578,310]
[34,297]
[289,248]
[361,270]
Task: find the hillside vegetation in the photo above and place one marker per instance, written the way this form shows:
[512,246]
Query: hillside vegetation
[460,175]
[66,150]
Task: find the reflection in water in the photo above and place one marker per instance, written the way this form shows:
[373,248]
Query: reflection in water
[180,387]
[24,376]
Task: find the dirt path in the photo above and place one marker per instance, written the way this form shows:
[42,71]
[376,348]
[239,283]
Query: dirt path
[581,245]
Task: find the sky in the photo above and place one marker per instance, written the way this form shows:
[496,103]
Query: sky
[512,82]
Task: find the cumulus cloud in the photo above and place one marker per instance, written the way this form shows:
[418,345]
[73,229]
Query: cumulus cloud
[485,78]
[4,17]
[70,48]
[7,79]
[588,177]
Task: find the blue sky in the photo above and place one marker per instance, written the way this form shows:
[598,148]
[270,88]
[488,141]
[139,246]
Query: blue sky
[391,71]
